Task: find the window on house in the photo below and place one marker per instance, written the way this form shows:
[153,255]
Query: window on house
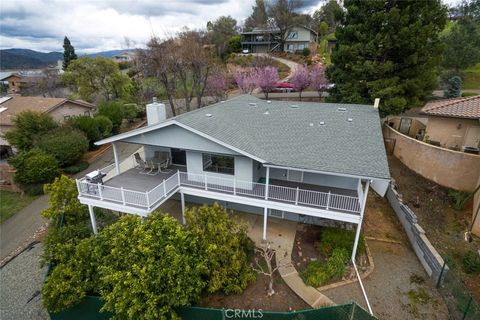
[218,163]
[293,35]
[291,47]
[301,46]
[86,113]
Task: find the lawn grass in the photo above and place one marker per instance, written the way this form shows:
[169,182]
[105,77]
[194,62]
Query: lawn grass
[12,202]
[472,77]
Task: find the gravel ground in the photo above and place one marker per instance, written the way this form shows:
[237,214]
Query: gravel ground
[20,283]
[398,288]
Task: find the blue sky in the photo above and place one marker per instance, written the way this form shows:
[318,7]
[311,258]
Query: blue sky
[104,25]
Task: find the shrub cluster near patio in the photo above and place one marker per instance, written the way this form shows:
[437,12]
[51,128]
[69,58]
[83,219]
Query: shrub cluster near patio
[335,250]
[152,267]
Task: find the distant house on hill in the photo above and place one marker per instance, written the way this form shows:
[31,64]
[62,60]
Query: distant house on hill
[268,39]
[126,56]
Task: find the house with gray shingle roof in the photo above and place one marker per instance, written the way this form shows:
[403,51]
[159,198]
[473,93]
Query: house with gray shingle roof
[300,161]
[454,123]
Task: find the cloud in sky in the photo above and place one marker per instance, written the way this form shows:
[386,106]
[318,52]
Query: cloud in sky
[104,25]
[95,25]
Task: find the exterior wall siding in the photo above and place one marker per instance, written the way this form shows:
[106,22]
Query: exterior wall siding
[318,179]
[69,109]
[176,137]
[449,131]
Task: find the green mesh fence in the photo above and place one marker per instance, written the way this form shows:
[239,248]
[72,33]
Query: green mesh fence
[90,307]
[461,304]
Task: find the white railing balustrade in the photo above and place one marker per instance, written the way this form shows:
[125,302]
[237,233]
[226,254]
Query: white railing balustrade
[147,200]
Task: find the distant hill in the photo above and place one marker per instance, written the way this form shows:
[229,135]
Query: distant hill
[109,54]
[30,59]
[27,59]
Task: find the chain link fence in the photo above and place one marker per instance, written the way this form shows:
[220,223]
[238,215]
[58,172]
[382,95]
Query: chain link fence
[460,302]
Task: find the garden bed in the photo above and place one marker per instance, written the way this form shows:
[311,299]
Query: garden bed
[255,297]
[308,249]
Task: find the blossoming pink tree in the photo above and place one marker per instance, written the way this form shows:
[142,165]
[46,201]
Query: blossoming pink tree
[318,81]
[245,79]
[300,79]
[216,84]
[266,78]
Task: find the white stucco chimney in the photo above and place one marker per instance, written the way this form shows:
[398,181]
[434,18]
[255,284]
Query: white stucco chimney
[376,103]
[156,112]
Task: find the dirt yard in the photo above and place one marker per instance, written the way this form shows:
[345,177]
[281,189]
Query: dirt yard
[255,297]
[443,225]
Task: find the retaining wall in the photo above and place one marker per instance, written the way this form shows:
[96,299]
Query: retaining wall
[451,169]
[426,253]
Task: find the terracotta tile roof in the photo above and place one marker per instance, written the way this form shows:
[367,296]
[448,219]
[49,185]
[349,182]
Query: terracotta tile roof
[456,108]
[17,104]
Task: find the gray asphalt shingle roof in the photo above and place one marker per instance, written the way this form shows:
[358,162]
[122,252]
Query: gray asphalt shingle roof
[295,137]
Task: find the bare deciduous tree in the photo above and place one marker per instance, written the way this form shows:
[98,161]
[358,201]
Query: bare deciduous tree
[158,61]
[267,253]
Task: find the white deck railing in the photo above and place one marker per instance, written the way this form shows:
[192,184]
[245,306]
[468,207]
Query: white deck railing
[148,199]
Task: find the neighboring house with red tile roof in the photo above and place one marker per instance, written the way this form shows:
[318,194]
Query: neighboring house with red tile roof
[454,123]
[59,108]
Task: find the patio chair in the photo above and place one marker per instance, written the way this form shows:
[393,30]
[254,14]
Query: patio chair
[154,168]
[141,164]
[163,160]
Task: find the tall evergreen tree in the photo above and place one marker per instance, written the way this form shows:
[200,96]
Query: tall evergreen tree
[258,18]
[389,50]
[68,53]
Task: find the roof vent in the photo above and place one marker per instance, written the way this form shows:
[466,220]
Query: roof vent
[342,109]
[267,112]
[294,106]
[311,124]
[349,119]
[252,104]
[154,99]
[269,101]
[322,123]
[208,115]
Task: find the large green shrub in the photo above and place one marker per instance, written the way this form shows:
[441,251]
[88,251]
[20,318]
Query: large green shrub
[113,110]
[148,268]
[145,269]
[225,248]
[66,145]
[319,272]
[27,127]
[95,128]
[332,238]
[34,167]
[76,168]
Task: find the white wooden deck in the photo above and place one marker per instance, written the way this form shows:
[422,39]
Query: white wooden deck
[137,191]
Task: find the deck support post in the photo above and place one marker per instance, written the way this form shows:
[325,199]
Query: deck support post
[359,225]
[115,156]
[92,219]
[267,177]
[265,216]
[182,198]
